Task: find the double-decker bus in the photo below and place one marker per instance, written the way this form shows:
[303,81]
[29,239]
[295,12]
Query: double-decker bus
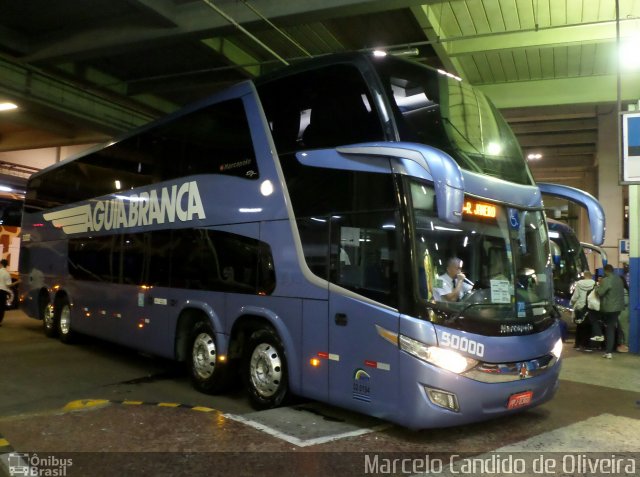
[294,231]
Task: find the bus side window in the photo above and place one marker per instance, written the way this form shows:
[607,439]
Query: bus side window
[369,242]
[314,235]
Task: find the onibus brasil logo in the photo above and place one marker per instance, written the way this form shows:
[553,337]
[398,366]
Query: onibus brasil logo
[159,206]
[28,465]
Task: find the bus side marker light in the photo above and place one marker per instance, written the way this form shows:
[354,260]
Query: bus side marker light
[143,322]
[315,362]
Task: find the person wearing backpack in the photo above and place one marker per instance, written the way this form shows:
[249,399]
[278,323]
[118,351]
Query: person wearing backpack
[611,294]
[579,303]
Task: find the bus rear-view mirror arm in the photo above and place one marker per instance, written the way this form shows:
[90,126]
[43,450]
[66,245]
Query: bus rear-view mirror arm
[586,200]
[446,174]
[595,248]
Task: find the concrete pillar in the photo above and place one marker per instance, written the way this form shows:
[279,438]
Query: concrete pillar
[610,193]
[634,269]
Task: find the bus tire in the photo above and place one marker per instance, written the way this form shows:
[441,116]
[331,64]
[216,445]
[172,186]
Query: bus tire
[49,324]
[266,373]
[62,318]
[208,375]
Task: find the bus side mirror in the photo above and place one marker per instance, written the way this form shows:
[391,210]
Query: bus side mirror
[435,165]
[586,200]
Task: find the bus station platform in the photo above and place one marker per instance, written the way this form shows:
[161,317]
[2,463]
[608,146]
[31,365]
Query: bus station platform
[95,409]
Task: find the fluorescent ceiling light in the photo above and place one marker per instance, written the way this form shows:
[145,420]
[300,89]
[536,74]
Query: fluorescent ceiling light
[8,106]
[628,53]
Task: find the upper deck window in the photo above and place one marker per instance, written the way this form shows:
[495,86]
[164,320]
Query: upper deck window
[321,108]
[440,111]
[213,140]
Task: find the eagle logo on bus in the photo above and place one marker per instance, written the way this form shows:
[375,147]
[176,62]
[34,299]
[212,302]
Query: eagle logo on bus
[157,206]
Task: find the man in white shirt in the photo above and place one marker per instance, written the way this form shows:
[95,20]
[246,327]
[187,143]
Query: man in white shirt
[451,285]
[5,287]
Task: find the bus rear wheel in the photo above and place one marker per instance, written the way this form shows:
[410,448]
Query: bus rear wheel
[62,319]
[208,374]
[49,321]
[266,370]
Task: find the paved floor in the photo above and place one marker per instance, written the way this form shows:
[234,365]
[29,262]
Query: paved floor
[97,409]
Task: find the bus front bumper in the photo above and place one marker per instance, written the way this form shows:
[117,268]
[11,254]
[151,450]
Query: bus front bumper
[440,398]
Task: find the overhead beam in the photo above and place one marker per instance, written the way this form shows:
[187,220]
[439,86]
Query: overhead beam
[197,19]
[549,113]
[234,54]
[433,31]
[545,37]
[33,120]
[28,140]
[30,86]
[537,127]
[108,82]
[542,140]
[591,89]
[562,151]
[566,161]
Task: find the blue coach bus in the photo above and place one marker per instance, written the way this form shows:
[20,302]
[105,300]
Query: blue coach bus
[569,264]
[293,230]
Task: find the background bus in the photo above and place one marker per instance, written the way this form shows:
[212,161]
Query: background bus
[294,230]
[11,205]
[569,263]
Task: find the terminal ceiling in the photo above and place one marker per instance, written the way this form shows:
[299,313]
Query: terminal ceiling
[83,72]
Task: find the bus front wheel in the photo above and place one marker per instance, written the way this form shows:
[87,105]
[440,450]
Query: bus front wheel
[208,374]
[266,369]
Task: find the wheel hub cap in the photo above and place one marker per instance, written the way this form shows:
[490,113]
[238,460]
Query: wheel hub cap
[204,355]
[266,369]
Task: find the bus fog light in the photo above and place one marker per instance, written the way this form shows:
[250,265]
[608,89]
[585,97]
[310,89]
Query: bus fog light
[443,399]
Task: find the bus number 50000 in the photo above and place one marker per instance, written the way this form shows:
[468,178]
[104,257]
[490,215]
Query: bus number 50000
[462,344]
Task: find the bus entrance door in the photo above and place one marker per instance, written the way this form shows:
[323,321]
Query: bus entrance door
[363,368]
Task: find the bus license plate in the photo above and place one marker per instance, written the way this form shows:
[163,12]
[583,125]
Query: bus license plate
[520,400]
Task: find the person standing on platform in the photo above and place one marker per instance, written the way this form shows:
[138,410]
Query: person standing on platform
[579,303]
[5,287]
[611,294]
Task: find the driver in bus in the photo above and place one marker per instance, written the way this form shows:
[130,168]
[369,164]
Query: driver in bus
[451,285]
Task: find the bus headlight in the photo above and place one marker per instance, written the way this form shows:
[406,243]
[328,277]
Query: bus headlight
[441,357]
[557,349]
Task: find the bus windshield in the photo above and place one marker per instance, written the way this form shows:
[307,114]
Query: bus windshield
[503,253]
[437,109]
[569,259]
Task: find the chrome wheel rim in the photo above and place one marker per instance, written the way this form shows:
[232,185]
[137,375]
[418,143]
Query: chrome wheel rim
[48,317]
[65,320]
[204,355]
[266,370]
